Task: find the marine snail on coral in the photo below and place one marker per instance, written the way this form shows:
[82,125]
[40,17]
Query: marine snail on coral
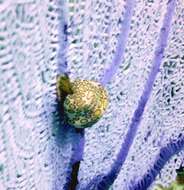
[84,101]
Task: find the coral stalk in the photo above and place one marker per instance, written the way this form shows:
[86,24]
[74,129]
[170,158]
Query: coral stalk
[78,135]
[162,158]
[62,62]
[122,41]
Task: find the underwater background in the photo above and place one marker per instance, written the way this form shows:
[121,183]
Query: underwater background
[135,49]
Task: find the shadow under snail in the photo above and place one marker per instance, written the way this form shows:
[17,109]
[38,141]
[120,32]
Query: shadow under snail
[83,101]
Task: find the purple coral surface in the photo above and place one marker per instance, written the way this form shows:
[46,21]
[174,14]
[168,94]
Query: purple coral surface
[104,181]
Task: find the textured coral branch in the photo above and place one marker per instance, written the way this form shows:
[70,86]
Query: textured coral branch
[77,155]
[62,63]
[78,136]
[119,54]
[107,180]
[162,158]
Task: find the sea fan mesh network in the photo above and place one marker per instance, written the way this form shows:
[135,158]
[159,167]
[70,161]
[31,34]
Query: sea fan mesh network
[41,38]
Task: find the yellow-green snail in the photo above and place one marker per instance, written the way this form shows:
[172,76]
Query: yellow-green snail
[84,101]
[178,184]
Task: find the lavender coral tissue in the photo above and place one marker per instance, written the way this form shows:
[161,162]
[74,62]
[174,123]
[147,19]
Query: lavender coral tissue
[135,50]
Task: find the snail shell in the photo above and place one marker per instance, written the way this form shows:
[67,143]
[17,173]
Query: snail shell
[86,105]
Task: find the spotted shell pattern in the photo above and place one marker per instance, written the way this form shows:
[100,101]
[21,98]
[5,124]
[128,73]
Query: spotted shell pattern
[87,103]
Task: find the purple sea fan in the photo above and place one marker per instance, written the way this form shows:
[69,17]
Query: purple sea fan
[135,49]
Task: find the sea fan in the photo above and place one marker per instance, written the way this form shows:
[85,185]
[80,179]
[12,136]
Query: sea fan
[135,49]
